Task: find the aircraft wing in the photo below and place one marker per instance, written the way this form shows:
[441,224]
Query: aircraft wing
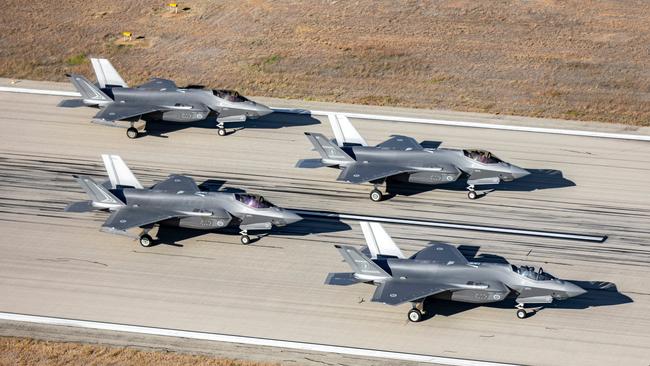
[441,253]
[177,184]
[398,142]
[117,112]
[365,172]
[159,85]
[130,217]
[395,292]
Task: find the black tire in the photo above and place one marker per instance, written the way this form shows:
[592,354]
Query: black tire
[414,315]
[376,196]
[245,239]
[146,240]
[472,195]
[221,132]
[522,314]
[132,132]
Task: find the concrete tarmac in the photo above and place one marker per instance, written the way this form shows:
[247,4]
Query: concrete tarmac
[54,263]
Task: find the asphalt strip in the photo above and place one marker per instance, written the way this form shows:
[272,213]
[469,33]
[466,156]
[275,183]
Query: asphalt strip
[620,136]
[266,342]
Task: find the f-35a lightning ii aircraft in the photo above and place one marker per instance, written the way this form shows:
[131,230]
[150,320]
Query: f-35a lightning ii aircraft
[177,201]
[441,271]
[403,159]
[158,99]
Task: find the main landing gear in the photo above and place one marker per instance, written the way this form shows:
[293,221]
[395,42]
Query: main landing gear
[221,129]
[132,132]
[417,312]
[521,312]
[145,239]
[376,195]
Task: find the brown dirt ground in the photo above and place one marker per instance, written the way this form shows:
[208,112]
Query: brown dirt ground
[584,60]
[29,352]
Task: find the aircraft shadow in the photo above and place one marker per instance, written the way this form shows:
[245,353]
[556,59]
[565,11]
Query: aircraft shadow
[599,293]
[276,120]
[537,180]
[172,235]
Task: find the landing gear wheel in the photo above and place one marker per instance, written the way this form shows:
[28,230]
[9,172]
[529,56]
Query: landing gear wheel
[132,132]
[221,132]
[522,314]
[145,240]
[245,239]
[415,315]
[472,195]
[375,195]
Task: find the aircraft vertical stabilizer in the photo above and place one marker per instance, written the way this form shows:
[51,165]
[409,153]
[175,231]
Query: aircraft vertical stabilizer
[100,196]
[345,133]
[326,148]
[119,173]
[106,73]
[363,267]
[378,240]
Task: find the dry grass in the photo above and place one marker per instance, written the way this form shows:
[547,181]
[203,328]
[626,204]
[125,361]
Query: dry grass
[29,352]
[568,59]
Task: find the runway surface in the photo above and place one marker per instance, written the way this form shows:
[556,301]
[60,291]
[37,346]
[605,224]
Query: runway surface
[58,264]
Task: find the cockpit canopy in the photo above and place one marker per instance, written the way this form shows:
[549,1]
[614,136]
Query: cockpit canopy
[482,156]
[530,272]
[253,200]
[229,95]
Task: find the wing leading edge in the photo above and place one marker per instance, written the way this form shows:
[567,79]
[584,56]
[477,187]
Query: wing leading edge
[441,253]
[399,142]
[177,184]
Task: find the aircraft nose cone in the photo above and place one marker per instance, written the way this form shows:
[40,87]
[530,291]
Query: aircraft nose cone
[518,172]
[575,290]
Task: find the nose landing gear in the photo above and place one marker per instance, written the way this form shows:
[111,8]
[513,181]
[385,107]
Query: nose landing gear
[521,312]
[474,194]
[221,129]
[245,239]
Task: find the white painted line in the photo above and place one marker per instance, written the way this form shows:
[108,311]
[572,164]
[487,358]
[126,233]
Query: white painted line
[362,352]
[620,136]
[448,225]
[607,135]
[39,91]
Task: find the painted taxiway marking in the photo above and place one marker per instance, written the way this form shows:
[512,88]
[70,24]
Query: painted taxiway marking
[362,352]
[449,225]
[377,117]
[61,93]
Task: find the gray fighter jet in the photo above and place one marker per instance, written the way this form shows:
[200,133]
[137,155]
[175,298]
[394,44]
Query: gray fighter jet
[157,100]
[177,201]
[441,271]
[403,159]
